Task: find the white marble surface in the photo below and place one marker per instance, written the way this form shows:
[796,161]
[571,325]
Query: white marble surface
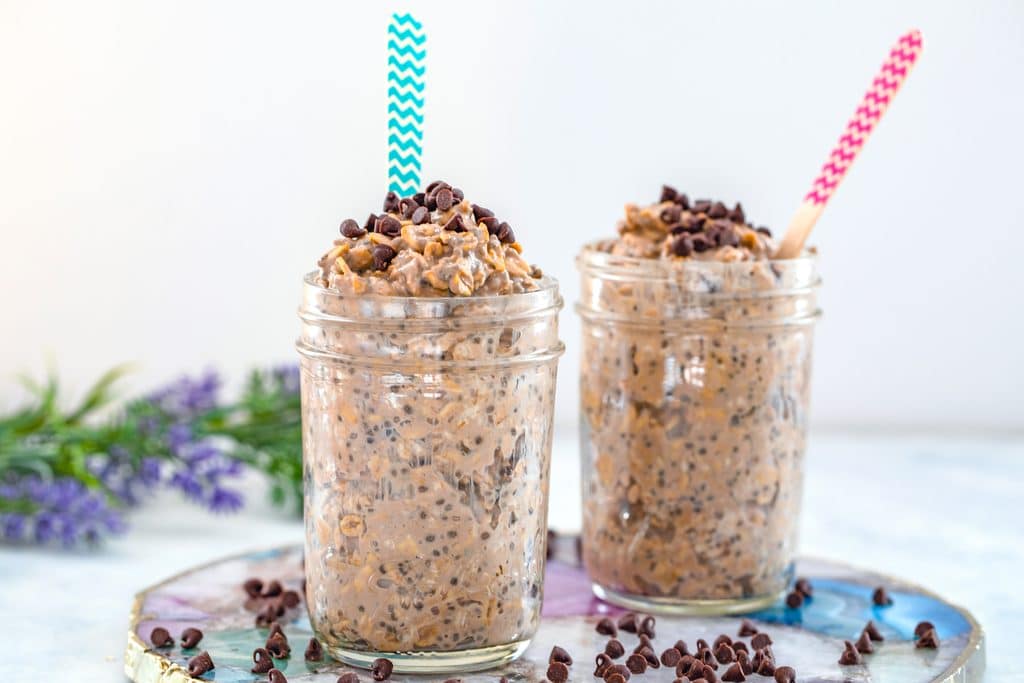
[941,511]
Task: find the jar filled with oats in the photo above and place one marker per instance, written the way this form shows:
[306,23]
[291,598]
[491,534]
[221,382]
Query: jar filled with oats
[429,354]
[695,381]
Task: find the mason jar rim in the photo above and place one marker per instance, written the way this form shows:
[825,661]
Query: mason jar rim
[662,269]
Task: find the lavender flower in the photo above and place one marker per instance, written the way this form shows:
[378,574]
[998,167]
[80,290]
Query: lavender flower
[188,397]
[122,477]
[62,509]
[202,466]
[287,377]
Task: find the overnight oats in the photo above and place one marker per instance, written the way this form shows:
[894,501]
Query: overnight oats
[429,351]
[695,381]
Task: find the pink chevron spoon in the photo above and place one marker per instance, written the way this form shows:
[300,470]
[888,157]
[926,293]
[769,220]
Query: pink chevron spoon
[883,89]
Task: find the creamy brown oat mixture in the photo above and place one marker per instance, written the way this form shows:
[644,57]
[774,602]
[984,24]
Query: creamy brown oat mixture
[427,433]
[694,398]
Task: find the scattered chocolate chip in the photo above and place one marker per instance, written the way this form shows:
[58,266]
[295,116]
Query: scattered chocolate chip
[262,661]
[881,597]
[718,210]
[314,651]
[601,664]
[253,587]
[505,234]
[627,622]
[390,202]
[420,215]
[766,667]
[760,641]
[850,655]
[763,655]
[682,246]
[275,628]
[388,225]
[702,206]
[406,206]
[455,224]
[559,654]
[606,627]
[721,639]
[161,637]
[648,653]
[873,632]
[636,663]
[671,657]
[703,644]
[371,222]
[921,628]
[615,677]
[382,255]
[863,644]
[444,198]
[681,646]
[724,653]
[701,243]
[734,674]
[785,674]
[190,637]
[290,599]
[614,648]
[683,201]
[276,676]
[381,669]
[684,665]
[349,228]
[619,669]
[708,674]
[480,212]
[743,660]
[558,672]
[668,193]
[739,646]
[795,600]
[646,626]
[672,214]
[349,677]
[272,589]
[645,641]
[928,640]
[200,664]
[277,645]
[737,214]
[802,585]
[707,657]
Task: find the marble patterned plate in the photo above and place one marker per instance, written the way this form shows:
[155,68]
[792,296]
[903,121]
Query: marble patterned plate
[809,639]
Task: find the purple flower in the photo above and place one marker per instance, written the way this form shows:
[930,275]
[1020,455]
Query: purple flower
[122,477]
[12,526]
[188,397]
[287,377]
[202,468]
[57,510]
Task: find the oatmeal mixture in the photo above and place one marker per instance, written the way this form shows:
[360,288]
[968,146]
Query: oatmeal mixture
[427,431]
[694,394]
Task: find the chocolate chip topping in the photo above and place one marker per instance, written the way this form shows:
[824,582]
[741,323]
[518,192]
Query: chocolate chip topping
[701,243]
[760,641]
[734,674]
[928,640]
[455,224]
[200,664]
[276,676]
[349,677]
[371,223]
[627,622]
[253,587]
[388,225]
[381,669]
[671,657]
[702,205]
[349,228]
[601,664]
[850,655]
[794,600]
[480,212]
[606,627]
[873,632]
[445,199]
[382,255]
[785,674]
[668,193]
[682,246]
[803,587]
[672,214]
[558,672]
[262,661]
[190,637]
[718,210]
[864,645]
[390,202]
[161,637]
[505,234]
[558,654]
[921,628]
[314,651]
[420,215]
[614,648]
[683,201]
[636,663]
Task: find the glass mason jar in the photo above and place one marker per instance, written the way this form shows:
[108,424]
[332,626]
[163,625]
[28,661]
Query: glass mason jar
[427,426]
[694,391]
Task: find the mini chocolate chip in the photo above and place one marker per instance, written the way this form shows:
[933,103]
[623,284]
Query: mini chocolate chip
[703,644]
[864,644]
[272,589]
[803,586]
[480,212]
[928,640]
[458,194]
[349,677]
[200,664]
[491,223]
[601,664]
[724,653]
[671,657]
[737,214]
[314,651]
[420,215]
[290,599]
[407,205]
[701,243]
[390,202]
[718,210]
[381,669]
[558,672]
[262,661]
[606,627]
[734,674]
[419,198]
[371,223]
[627,622]
[739,646]
[613,648]
[266,616]
[444,198]
[881,597]
[766,667]
[743,659]
[764,231]
[277,645]
[683,201]
[253,587]
[615,677]
[921,628]
[388,225]
[850,655]
[648,653]
[721,639]
[760,641]
[505,234]
[436,184]
[697,680]
[685,664]
[702,206]
[276,676]
[668,194]
[430,202]
[455,224]
[161,637]
[190,637]
[707,657]
[382,255]
[727,237]
[349,228]
[275,628]
[681,646]
[873,632]
[785,674]
[620,669]
[645,641]
[636,663]
[671,215]
[559,654]
[794,600]
[708,674]
[646,626]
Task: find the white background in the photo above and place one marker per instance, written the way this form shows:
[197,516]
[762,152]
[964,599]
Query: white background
[168,170]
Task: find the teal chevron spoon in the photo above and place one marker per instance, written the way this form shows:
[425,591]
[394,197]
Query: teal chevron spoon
[406,68]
